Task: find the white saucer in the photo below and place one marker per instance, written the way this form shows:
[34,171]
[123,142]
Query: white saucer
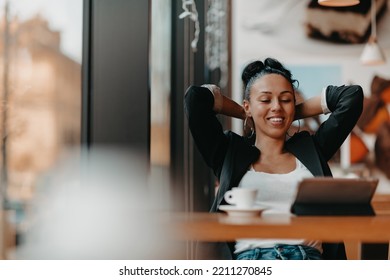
[234,211]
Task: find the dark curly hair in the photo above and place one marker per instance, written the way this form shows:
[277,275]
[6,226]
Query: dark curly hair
[257,69]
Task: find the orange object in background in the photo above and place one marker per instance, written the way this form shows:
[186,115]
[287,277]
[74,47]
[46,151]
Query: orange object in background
[359,149]
[385,95]
[381,116]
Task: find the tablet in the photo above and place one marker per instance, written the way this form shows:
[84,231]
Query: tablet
[335,196]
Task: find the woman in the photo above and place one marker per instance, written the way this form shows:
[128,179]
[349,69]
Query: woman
[268,159]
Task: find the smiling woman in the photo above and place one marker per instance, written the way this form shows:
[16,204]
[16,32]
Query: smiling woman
[271,103]
[269,160]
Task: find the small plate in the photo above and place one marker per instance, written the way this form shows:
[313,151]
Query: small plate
[233,211]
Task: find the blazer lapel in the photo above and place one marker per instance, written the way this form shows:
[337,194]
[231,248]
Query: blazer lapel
[246,156]
[302,146]
[235,167]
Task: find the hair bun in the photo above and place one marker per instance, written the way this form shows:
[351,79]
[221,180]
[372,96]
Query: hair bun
[258,69]
[251,70]
[273,63]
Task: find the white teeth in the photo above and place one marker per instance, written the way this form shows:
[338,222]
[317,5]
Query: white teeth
[276,119]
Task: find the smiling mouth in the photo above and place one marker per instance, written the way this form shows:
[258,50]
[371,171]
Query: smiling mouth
[275,120]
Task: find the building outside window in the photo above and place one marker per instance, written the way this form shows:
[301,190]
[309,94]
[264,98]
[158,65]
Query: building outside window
[40,92]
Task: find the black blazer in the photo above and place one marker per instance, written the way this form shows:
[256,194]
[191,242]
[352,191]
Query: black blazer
[230,155]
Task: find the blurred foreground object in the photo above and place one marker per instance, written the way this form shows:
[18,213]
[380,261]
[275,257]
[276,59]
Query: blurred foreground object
[96,205]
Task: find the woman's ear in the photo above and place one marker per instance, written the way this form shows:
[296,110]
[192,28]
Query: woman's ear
[246,108]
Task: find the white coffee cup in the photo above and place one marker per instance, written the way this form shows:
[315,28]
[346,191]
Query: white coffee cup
[241,197]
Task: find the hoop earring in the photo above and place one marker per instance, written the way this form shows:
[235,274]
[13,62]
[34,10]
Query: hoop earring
[299,126]
[250,127]
[299,129]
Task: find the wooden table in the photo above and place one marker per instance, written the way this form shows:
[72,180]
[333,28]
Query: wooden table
[353,230]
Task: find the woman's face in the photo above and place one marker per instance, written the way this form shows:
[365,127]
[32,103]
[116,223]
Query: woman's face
[271,105]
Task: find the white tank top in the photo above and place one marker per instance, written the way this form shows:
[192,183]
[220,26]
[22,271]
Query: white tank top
[276,192]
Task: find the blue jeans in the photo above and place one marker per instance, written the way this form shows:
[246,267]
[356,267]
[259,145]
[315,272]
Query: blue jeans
[281,252]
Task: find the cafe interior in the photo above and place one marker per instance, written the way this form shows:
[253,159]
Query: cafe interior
[97,160]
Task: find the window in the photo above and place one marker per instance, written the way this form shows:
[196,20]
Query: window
[40,91]
[160,76]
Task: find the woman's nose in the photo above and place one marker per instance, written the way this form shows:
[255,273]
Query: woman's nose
[275,105]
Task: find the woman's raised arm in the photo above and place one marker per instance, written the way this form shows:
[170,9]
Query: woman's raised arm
[309,108]
[224,105]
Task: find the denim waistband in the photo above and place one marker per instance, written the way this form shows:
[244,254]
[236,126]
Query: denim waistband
[281,252]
